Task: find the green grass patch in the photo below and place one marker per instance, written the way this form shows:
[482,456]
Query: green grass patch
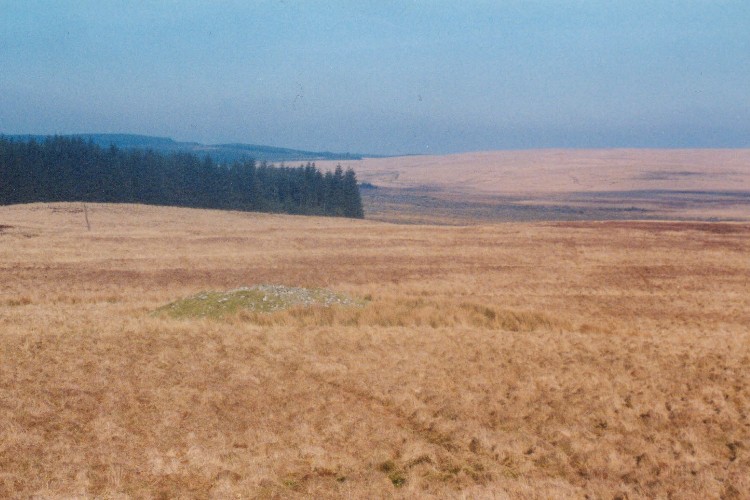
[259,299]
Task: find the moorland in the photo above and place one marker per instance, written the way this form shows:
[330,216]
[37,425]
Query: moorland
[557,184]
[573,359]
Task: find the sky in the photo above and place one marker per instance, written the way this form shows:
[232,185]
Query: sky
[382,77]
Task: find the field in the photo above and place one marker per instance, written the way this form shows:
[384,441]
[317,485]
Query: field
[533,185]
[518,360]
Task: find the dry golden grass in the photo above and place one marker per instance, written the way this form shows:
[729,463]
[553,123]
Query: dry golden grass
[554,171]
[597,184]
[508,361]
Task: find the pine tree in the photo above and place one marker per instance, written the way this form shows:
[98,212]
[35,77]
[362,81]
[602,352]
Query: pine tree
[71,169]
[352,198]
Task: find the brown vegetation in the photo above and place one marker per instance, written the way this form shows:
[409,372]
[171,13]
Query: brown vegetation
[517,360]
[554,184]
[555,171]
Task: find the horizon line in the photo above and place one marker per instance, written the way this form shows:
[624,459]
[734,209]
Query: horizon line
[381,155]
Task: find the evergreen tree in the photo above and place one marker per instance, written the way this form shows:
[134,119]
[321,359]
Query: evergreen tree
[71,169]
[352,202]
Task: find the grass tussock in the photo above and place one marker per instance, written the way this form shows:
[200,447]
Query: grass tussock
[18,301]
[407,313]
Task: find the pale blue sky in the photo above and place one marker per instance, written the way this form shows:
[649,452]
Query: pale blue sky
[382,77]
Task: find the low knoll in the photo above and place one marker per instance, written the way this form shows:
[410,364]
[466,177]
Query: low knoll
[256,299]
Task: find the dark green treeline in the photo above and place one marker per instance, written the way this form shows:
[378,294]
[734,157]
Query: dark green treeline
[71,169]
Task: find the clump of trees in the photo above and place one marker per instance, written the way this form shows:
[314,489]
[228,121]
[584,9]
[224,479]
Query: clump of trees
[71,169]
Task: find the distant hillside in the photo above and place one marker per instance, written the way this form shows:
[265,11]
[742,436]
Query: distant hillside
[219,152]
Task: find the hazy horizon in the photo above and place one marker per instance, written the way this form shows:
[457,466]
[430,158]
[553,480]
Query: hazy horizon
[382,78]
